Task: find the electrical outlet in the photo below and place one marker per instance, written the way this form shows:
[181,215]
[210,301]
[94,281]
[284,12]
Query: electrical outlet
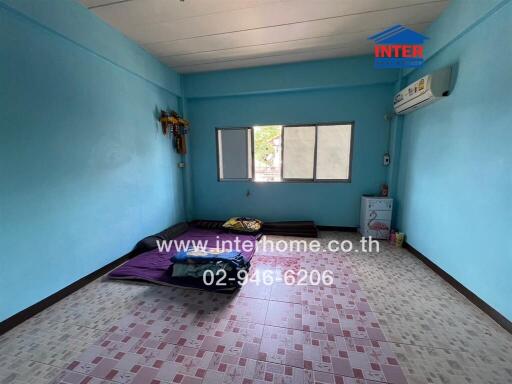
[181,164]
[386,159]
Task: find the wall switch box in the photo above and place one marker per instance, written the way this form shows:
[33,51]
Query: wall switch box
[386,159]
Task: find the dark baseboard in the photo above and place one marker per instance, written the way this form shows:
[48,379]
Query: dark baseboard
[27,313]
[490,311]
[334,228]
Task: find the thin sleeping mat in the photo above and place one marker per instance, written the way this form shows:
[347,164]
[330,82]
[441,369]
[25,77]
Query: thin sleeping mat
[153,266]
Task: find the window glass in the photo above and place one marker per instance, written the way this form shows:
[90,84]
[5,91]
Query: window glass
[333,152]
[267,153]
[234,154]
[298,152]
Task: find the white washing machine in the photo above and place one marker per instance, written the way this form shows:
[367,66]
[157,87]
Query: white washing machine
[375,219]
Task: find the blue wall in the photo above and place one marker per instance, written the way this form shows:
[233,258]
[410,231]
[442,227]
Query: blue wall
[455,177]
[85,171]
[323,91]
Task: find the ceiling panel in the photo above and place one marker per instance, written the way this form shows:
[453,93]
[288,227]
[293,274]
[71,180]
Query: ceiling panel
[145,12]
[264,16]
[368,22]
[346,39]
[265,52]
[276,59]
[192,35]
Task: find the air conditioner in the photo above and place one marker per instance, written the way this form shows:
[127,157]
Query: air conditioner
[423,91]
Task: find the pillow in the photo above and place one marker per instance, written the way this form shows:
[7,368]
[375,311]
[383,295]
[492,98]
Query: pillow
[207,224]
[243,224]
[150,242]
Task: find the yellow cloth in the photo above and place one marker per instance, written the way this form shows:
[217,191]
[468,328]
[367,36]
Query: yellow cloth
[243,224]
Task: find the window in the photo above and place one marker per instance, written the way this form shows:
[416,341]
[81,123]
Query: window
[234,154]
[274,153]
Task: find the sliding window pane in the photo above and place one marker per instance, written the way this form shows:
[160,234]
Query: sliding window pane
[298,152]
[234,154]
[267,153]
[333,152]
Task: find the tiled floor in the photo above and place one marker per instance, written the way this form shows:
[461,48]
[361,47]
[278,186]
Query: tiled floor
[385,318]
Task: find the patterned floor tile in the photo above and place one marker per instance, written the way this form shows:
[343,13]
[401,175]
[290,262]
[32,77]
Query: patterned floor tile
[427,331]
[358,358]
[255,290]
[436,365]
[386,317]
[48,342]
[286,293]
[360,324]
[292,263]
[138,368]
[238,338]
[283,314]
[312,318]
[16,370]
[261,372]
[335,263]
[78,378]
[434,307]
[263,261]
[339,298]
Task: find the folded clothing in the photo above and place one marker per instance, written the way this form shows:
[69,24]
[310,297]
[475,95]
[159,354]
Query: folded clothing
[198,270]
[194,263]
[207,255]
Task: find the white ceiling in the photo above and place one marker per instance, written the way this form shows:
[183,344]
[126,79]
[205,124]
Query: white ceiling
[207,35]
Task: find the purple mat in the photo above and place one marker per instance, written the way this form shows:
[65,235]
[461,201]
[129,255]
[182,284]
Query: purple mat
[153,266]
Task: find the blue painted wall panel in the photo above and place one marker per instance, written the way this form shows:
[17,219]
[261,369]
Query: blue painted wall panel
[73,21]
[323,74]
[326,203]
[85,171]
[455,170]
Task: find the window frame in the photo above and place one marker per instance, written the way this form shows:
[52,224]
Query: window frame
[288,180]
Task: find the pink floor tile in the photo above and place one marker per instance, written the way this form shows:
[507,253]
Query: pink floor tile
[255,290]
[360,324]
[286,293]
[328,353]
[246,309]
[263,261]
[262,334]
[288,263]
[282,314]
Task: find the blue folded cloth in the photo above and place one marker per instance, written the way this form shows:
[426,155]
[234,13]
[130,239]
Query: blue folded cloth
[206,256]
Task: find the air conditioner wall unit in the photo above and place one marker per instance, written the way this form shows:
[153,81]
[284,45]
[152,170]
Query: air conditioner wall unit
[423,91]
